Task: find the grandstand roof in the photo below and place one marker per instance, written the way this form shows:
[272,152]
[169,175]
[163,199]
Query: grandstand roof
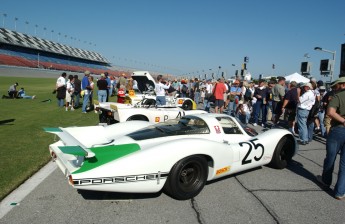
[24,40]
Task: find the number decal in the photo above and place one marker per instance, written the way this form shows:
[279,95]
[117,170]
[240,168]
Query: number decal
[180,114]
[244,160]
[252,143]
[257,146]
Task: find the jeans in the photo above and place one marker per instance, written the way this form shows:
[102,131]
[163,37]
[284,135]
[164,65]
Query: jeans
[259,106]
[244,118]
[85,102]
[335,143]
[231,107]
[311,126]
[61,102]
[102,95]
[160,100]
[321,116]
[77,98]
[197,97]
[302,116]
[207,105]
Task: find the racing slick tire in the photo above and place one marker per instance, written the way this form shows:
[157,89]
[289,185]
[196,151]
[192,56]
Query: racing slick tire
[187,178]
[106,119]
[187,105]
[283,152]
[138,118]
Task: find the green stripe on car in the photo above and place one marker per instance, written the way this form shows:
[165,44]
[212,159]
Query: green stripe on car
[106,154]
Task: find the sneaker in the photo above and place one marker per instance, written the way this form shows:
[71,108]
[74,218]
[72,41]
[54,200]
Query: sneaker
[66,108]
[33,97]
[342,197]
[323,184]
[255,124]
[263,125]
[72,109]
[84,112]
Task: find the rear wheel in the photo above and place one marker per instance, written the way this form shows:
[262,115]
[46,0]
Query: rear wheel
[137,118]
[283,153]
[187,178]
[187,105]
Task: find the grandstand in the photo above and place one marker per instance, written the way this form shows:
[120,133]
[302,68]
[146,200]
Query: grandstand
[18,49]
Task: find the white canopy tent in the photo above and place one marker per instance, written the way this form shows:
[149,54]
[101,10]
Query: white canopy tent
[297,78]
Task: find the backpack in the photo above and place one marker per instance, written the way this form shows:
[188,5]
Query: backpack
[184,89]
[314,109]
[248,94]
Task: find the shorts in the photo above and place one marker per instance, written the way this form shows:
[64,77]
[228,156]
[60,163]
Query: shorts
[68,97]
[291,114]
[219,103]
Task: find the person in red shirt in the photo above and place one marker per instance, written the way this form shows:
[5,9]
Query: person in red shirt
[121,94]
[218,90]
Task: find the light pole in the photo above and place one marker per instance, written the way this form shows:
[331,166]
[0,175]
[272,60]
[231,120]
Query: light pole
[36,29]
[333,58]
[15,23]
[38,60]
[3,19]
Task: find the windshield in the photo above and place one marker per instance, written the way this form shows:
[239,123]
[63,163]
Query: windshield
[185,126]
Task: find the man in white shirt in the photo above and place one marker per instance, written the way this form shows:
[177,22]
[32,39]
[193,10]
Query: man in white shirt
[160,91]
[305,103]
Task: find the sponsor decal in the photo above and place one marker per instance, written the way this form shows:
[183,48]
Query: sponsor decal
[157,119]
[223,170]
[180,101]
[120,179]
[131,93]
[217,128]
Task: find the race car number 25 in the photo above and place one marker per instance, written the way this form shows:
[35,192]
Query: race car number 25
[251,144]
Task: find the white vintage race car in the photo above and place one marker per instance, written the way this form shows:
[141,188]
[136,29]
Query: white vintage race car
[179,155]
[111,113]
[145,89]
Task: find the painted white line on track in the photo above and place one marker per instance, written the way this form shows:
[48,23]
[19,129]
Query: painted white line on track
[23,190]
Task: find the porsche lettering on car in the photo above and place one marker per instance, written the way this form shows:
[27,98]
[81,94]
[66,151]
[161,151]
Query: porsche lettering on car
[178,156]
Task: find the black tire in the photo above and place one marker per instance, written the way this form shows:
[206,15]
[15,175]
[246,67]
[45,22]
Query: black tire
[138,118]
[283,152]
[106,119]
[187,105]
[187,178]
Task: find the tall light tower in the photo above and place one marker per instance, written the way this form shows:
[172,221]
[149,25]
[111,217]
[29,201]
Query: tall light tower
[15,23]
[333,58]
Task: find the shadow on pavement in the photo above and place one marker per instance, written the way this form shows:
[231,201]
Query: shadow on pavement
[102,195]
[298,169]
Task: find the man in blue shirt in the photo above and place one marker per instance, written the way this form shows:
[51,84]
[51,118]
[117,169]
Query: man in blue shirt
[85,84]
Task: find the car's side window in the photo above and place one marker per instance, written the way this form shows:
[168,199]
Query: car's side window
[229,126]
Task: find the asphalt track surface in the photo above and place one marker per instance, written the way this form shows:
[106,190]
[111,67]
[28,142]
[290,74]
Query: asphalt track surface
[262,195]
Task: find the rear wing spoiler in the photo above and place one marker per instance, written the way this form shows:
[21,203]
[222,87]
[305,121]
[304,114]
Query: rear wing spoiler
[74,147]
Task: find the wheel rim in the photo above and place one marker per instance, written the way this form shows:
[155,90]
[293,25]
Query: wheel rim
[190,176]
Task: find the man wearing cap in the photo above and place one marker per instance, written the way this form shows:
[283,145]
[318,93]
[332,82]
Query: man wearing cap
[305,103]
[336,142]
[85,86]
[235,92]
[12,91]
[102,85]
[208,92]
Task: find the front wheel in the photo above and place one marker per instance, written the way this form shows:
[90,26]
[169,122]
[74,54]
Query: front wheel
[283,153]
[187,178]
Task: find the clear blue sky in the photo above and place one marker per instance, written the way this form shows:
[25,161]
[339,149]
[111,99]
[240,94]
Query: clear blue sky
[188,36]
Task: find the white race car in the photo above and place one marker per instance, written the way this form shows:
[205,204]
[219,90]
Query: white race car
[111,113]
[179,155]
[145,89]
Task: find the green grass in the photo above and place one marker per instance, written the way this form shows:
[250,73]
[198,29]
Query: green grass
[23,143]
